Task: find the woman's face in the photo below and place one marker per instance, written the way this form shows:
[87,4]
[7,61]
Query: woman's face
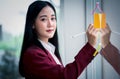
[45,24]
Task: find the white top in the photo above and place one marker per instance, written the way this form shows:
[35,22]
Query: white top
[51,48]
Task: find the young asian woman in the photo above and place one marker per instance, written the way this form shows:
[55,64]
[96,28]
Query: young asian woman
[40,58]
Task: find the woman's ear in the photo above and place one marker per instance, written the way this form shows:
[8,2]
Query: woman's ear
[33,26]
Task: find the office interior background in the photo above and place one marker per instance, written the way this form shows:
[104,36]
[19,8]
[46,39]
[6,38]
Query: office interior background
[73,17]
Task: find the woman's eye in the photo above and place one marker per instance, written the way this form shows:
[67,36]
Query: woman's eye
[53,18]
[43,19]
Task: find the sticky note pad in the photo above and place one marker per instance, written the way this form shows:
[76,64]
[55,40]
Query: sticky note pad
[99,20]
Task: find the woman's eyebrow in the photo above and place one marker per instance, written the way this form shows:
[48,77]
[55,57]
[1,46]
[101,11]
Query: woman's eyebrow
[43,16]
[53,15]
[46,15]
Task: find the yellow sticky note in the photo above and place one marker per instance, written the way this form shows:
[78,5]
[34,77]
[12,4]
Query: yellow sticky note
[99,20]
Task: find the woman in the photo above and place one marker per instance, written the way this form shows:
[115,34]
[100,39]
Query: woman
[40,57]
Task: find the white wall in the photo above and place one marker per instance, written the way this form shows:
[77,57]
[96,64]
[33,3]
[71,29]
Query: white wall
[72,22]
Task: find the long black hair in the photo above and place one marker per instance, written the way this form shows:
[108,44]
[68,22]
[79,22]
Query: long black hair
[30,36]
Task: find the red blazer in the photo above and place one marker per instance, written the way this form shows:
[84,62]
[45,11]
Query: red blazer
[41,65]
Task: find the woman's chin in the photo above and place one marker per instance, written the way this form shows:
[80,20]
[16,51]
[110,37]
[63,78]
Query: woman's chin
[50,36]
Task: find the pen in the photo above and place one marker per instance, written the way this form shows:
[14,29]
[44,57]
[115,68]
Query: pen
[79,34]
[74,36]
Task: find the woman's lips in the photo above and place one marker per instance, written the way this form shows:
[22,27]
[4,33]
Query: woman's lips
[50,30]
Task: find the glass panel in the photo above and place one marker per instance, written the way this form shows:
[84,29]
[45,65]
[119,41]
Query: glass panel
[100,67]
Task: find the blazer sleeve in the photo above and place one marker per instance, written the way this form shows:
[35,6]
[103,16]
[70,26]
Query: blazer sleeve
[112,55]
[37,64]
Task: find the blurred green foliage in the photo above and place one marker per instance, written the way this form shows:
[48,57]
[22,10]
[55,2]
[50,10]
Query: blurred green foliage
[10,58]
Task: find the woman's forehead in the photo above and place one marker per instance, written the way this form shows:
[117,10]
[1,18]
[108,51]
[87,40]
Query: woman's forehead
[47,11]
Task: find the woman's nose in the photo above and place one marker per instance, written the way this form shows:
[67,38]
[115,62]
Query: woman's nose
[50,23]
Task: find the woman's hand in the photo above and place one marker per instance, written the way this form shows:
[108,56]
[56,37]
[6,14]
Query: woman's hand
[92,35]
[105,36]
